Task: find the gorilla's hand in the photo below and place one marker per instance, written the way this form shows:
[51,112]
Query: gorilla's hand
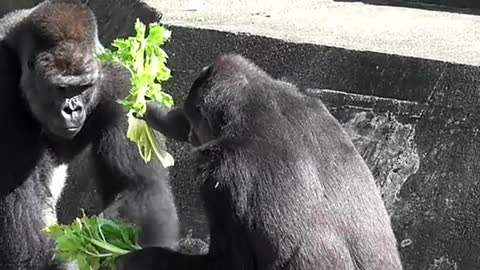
[153,112]
[172,123]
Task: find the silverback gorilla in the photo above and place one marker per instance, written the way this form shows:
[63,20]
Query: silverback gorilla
[58,101]
[283,185]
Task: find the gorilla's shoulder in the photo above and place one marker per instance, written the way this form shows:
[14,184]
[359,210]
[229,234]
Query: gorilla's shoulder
[12,19]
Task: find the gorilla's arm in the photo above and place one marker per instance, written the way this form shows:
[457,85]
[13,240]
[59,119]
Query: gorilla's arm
[144,196]
[171,123]
[218,208]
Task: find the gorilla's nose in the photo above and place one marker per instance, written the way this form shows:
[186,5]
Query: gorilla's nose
[72,111]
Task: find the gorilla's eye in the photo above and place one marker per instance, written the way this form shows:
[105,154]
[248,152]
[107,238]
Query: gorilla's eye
[84,2]
[84,87]
[61,88]
[31,63]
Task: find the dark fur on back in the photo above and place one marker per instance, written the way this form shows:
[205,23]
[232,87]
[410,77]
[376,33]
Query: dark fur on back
[282,152]
[282,183]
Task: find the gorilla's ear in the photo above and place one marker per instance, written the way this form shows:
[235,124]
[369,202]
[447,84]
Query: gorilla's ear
[84,2]
[202,77]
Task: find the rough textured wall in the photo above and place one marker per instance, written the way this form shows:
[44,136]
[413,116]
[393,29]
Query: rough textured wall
[414,121]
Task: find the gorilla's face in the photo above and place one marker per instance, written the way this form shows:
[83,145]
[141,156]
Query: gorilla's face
[60,91]
[203,128]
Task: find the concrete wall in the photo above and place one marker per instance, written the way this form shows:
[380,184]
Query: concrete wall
[415,121]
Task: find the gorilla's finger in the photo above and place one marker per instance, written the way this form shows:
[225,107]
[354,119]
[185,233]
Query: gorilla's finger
[154,106]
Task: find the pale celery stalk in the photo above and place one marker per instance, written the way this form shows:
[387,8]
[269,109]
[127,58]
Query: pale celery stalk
[145,60]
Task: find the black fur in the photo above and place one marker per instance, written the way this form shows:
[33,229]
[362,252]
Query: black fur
[128,189]
[283,185]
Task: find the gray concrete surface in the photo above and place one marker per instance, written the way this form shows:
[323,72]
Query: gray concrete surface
[356,26]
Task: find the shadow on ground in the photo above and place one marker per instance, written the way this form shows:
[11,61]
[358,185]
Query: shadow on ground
[466,6]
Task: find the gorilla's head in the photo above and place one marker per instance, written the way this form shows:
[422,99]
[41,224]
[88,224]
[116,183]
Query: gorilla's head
[59,66]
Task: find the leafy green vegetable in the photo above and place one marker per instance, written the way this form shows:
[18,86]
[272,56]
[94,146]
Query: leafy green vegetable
[147,63]
[93,241]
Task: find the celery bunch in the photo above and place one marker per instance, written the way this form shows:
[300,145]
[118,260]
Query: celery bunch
[93,242]
[146,61]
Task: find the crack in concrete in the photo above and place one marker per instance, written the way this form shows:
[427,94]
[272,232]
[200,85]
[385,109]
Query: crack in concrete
[427,104]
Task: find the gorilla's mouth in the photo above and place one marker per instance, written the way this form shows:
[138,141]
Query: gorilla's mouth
[73,129]
[63,133]
[67,128]
[70,132]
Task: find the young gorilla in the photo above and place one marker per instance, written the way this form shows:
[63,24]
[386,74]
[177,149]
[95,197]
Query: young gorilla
[283,185]
[58,101]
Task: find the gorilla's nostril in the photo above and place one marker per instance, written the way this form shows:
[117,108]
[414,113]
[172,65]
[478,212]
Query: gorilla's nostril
[72,107]
[77,108]
[67,110]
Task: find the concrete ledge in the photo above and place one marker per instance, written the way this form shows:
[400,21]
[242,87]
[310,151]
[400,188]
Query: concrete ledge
[355,26]
[311,66]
